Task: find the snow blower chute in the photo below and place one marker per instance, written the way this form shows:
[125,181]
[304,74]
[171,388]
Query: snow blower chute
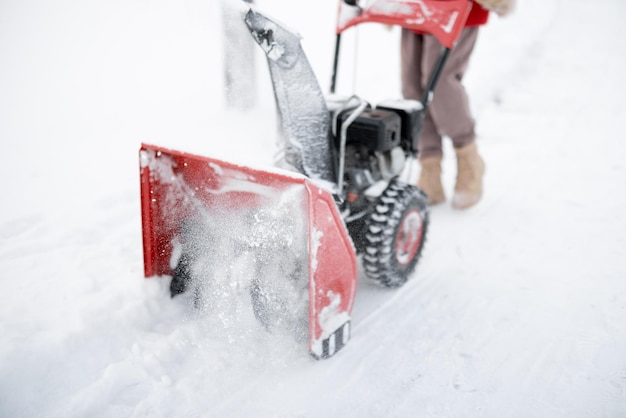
[341,191]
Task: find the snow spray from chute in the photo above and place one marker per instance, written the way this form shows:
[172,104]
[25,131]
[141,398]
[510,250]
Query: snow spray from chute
[203,215]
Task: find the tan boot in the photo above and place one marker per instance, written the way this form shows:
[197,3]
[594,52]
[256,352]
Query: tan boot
[469,177]
[430,180]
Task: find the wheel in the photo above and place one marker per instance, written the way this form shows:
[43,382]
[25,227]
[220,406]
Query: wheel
[395,234]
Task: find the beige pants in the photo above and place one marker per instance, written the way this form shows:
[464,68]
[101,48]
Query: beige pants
[449,112]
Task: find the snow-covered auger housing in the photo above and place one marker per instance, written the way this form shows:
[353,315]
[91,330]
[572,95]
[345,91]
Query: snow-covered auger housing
[203,216]
[298,231]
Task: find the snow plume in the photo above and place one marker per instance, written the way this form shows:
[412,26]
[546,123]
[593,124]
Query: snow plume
[250,263]
[246,263]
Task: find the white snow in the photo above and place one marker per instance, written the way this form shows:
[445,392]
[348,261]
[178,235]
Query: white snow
[517,308]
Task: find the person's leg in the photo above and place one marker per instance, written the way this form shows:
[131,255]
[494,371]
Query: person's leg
[450,108]
[451,113]
[429,144]
[411,60]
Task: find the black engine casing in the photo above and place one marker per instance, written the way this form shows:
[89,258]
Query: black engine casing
[412,115]
[377,130]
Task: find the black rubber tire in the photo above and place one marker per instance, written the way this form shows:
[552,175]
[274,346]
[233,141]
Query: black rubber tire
[395,234]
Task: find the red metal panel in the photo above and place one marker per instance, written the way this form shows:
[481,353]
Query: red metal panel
[443,19]
[177,185]
[333,269]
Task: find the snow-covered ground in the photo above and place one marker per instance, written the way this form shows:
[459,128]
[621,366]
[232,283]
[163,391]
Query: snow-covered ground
[517,308]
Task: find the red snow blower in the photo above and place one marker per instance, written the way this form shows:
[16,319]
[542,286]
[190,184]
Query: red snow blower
[289,236]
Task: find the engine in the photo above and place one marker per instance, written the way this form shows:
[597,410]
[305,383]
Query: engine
[378,140]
